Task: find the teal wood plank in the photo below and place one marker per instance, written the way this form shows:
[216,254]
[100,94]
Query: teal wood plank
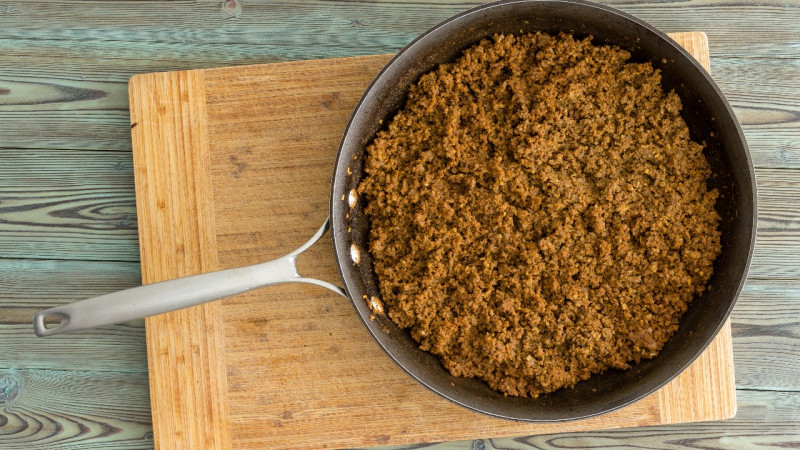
[57,409]
[111,348]
[29,286]
[777,250]
[331,24]
[46,283]
[67,205]
[757,89]
[57,112]
[110,57]
[766,336]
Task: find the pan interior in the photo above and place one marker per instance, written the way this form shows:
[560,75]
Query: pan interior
[710,119]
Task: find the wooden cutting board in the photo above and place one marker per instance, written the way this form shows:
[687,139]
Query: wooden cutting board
[233,167]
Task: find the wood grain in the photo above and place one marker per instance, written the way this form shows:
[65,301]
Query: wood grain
[777,235]
[297,359]
[45,283]
[74,205]
[766,336]
[757,90]
[28,286]
[314,29]
[702,391]
[179,240]
[73,410]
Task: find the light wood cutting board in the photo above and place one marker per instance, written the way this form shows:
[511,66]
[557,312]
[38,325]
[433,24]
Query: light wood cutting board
[233,167]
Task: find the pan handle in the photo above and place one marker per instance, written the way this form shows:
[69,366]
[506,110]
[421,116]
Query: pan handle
[166,296]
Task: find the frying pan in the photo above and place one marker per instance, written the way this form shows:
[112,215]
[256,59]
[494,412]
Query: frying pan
[710,120]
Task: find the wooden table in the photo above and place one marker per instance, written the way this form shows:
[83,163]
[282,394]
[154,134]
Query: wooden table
[67,211]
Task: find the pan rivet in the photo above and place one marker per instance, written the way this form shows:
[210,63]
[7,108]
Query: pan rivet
[352,198]
[355,254]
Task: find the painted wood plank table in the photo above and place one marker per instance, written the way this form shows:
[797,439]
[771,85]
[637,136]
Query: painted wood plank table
[68,225]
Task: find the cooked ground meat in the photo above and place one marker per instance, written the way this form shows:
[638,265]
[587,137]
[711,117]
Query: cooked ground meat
[538,213]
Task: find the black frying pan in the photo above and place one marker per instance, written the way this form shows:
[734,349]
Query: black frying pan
[707,113]
[710,119]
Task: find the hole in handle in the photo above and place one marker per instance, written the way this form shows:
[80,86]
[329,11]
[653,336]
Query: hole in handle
[54,320]
[47,323]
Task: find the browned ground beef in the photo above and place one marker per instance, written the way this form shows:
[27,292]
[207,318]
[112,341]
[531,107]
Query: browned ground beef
[538,213]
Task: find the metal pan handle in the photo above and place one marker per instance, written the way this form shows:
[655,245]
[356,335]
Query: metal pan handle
[179,293]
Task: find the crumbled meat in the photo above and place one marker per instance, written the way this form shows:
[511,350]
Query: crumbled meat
[538,212]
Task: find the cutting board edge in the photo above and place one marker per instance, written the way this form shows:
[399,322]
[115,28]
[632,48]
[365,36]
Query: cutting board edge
[288,63]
